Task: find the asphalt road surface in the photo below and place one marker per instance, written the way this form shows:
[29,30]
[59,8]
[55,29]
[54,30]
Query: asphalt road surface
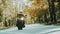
[33,29]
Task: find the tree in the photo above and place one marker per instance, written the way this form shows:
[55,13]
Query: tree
[52,10]
[58,4]
[1,14]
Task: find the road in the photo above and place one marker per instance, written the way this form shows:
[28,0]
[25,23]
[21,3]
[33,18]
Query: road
[33,29]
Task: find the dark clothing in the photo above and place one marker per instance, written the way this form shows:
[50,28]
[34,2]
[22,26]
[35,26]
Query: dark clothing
[20,24]
[23,24]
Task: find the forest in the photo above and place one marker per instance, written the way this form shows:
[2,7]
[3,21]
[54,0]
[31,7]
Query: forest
[37,11]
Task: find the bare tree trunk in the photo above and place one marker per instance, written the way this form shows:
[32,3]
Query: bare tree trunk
[45,17]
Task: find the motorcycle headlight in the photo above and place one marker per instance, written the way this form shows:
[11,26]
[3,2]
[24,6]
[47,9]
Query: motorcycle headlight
[22,18]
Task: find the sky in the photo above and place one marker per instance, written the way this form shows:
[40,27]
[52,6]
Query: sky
[20,3]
